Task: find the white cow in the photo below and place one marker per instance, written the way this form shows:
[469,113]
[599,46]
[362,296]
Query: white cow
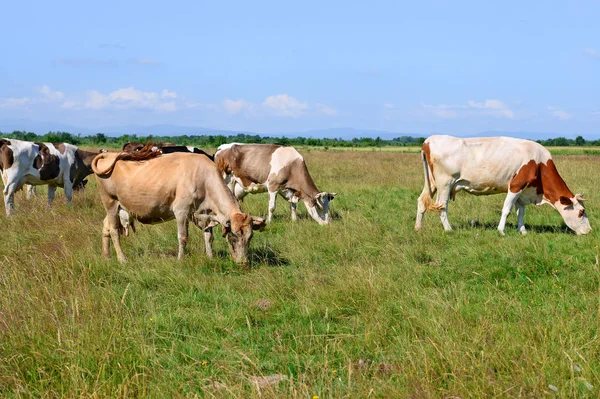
[56,165]
[522,169]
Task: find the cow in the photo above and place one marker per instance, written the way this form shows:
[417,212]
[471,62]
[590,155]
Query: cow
[182,186]
[522,169]
[256,168]
[166,148]
[80,167]
[24,162]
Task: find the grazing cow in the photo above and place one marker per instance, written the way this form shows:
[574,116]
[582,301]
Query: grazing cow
[23,162]
[178,186]
[521,168]
[256,168]
[165,148]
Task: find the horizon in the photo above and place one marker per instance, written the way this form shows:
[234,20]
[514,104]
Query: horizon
[278,69]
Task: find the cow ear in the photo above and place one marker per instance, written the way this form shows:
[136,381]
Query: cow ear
[565,201]
[332,196]
[258,223]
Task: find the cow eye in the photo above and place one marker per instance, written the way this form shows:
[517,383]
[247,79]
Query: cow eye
[581,213]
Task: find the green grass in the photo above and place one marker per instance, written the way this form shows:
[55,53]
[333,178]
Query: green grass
[363,307]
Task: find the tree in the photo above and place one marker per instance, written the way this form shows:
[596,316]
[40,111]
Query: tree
[99,138]
[580,141]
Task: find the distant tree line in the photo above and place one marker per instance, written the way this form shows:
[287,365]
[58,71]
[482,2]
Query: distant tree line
[213,141]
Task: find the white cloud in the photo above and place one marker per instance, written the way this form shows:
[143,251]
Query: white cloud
[284,105]
[50,95]
[325,110]
[471,108]
[127,98]
[47,96]
[493,107]
[559,113]
[590,52]
[280,105]
[442,110]
[236,106]
[168,94]
[595,113]
[13,102]
[389,106]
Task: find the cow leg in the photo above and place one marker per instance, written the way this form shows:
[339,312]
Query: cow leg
[51,193]
[509,202]
[272,202]
[111,228]
[106,238]
[182,234]
[9,198]
[423,204]
[31,192]
[293,200]
[521,217]
[68,190]
[442,203]
[208,241]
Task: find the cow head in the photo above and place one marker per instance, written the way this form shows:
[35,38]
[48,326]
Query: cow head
[573,212]
[319,208]
[238,233]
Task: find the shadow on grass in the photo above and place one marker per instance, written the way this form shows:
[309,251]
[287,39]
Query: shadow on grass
[266,255]
[510,226]
[333,215]
[257,256]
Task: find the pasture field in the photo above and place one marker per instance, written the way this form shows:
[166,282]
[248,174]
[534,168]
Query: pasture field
[364,307]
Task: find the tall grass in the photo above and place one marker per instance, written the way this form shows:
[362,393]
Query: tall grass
[363,307]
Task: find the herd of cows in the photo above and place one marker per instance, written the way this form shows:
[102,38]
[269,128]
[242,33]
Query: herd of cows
[156,182]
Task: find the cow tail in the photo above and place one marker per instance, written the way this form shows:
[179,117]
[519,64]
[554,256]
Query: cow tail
[429,188]
[108,170]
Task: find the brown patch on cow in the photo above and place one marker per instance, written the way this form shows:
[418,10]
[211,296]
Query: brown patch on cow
[295,176]
[132,146]
[427,151]
[546,180]
[527,176]
[554,186]
[60,147]
[565,201]
[239,221]
[223,166]
[81,168]
[137,146]
[145,154]
[48,164]
[6,155]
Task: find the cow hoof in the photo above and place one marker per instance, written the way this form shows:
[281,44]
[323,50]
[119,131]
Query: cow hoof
[524,232]
[501,233]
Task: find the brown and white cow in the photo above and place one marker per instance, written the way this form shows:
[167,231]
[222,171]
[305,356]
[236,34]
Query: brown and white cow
[256,168]
[481,166]
[23,162]
[79,162]
[156,188]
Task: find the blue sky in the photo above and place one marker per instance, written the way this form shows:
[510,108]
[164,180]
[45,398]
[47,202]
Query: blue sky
[274,66]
